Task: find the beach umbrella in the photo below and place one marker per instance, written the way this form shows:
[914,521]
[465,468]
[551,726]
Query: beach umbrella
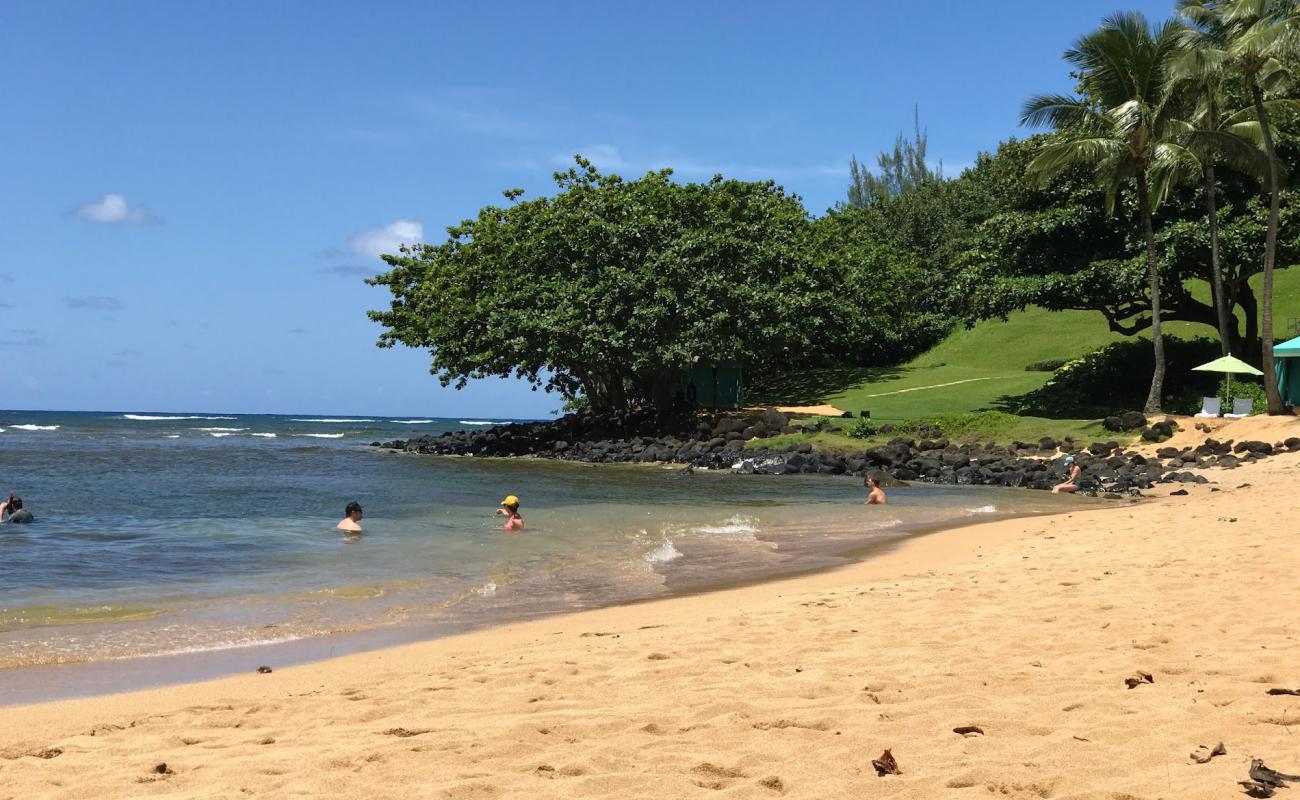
[1229,365]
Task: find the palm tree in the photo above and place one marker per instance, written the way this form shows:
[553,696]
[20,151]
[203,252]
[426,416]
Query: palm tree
[1249,39]
[1125,126]
[1216,136]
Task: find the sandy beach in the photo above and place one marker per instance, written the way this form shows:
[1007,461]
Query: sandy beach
[1024,628]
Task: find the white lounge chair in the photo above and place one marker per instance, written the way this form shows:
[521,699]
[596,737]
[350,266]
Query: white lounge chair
[1241,407]
[1210,407]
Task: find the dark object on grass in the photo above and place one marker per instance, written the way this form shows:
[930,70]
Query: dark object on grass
[886,765]
[1138,679]
[1178,493]
[1295,692]
[264,669]
[966,730]
[1203,754]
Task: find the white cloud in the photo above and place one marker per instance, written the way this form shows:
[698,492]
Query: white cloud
[113,209]
[386,239]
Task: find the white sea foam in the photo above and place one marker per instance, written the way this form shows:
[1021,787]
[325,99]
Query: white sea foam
[264,435]
[28,427]
[331,419]
[478,422]
[155,418]
[172,436]
[218,434]
[665,552]
[221,430]
[486,590]
[735,525]
[412,421]
[989,509]
[321,435]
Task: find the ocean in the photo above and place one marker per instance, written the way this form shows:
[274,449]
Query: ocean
[164,533]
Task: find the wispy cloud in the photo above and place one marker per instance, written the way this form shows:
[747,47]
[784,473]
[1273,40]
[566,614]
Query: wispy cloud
[477,111]
[91,302]
[386,239]
[112,209]
[611,158]
[297,331]
[22,337]
[351,271]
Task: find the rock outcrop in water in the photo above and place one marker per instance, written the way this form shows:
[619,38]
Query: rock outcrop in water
[721,443]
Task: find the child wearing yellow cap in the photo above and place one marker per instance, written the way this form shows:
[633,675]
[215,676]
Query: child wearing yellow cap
[510,510]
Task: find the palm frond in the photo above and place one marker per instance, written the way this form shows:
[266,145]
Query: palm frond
[1061,112]
[1057,157]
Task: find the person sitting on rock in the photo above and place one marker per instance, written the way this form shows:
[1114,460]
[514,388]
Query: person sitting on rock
[1071,483]
[876,495]
[510,510]
[351,518]
[13,507]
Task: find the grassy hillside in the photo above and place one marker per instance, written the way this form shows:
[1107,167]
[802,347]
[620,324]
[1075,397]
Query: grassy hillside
[971,369]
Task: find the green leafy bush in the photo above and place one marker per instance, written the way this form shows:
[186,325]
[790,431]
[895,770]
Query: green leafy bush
[1117,377]
[1244,390]
[864,428]
[1050,365]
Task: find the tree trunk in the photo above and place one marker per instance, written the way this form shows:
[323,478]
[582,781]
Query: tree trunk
[1155,395]
[1275,404]
[1216,269]
[1250,309]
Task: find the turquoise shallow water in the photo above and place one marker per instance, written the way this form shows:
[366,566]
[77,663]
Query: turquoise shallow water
[174,533]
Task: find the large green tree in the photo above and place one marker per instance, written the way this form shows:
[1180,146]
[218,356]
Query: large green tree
[1125,124]
[611,288]
[1253,40]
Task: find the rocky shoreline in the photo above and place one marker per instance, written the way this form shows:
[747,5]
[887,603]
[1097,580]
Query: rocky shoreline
[720,442]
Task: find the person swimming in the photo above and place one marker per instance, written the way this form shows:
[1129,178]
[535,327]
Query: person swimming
[13,507]
[510,510]
[876,495]
[351,518]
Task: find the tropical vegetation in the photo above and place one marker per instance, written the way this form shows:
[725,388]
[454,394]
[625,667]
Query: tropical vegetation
[1153,198]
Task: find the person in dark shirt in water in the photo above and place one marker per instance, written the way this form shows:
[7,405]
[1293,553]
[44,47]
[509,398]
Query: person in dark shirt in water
[13,509]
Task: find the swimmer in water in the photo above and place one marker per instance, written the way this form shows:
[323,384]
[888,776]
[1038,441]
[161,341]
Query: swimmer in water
[876,496]
[510,510]
[13,507]
[351,518]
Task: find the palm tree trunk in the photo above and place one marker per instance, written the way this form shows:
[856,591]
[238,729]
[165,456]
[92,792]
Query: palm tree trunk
[1216,268]
[1153,273]
[1275,404]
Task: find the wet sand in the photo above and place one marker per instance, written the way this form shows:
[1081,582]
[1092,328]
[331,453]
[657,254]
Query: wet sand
[1026,628]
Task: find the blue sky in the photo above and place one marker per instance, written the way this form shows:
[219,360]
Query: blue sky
[193,191]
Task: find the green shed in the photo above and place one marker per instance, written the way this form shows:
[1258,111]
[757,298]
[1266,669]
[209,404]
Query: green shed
[714,385]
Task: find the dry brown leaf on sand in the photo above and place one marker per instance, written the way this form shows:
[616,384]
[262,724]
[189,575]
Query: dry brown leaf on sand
[886,765]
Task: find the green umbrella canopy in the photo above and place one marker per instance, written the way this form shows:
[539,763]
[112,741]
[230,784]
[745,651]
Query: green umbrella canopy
[1288,349]
[1228,364]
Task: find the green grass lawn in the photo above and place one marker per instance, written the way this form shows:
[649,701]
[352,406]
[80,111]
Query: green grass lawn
[971,370]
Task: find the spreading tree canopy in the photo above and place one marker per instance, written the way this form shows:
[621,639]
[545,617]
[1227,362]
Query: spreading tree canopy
[612,287]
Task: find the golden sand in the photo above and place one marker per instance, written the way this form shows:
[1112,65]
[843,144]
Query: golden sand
[1024,628]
